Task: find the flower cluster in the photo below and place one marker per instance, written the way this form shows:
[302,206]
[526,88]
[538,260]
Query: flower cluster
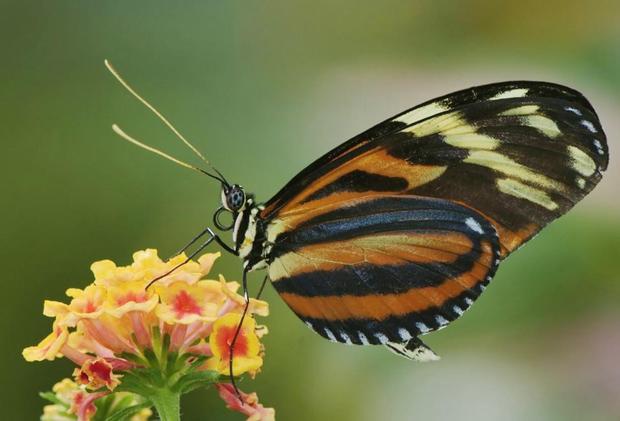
[157,342]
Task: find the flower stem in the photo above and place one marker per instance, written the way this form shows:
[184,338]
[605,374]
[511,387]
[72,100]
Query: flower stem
[167,403]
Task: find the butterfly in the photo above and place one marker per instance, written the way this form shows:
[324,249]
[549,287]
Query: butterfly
[396,232]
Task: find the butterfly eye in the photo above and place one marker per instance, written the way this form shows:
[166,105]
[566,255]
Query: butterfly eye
[235,198]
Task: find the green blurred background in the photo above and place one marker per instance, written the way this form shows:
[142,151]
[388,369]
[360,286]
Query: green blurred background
[263,88]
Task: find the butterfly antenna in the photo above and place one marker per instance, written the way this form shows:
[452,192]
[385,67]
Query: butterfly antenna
[164,120]
[163,154]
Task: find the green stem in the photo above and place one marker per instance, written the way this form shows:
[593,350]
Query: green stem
[167,403]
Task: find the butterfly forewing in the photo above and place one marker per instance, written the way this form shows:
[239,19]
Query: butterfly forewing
[522,162]
[520,153]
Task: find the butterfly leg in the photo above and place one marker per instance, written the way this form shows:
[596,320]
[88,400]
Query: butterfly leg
[262,287]
[246,298]
[223,244]
[216,237]
[414,349]
[213,237]
[196,238]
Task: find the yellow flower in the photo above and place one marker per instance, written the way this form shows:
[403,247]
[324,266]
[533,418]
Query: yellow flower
[130,296]
[87,303]
[184,303]
[246,351]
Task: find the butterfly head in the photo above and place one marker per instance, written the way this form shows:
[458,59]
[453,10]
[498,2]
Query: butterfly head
[234,201]
[233,198]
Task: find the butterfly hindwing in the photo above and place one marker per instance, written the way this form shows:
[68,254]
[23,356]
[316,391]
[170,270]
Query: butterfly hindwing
[383,268]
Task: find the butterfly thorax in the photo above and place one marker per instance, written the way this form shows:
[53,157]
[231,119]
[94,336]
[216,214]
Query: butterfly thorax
[249,236]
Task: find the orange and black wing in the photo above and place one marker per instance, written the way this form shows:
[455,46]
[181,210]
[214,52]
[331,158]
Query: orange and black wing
[384,269]
[397,231]
[519,153]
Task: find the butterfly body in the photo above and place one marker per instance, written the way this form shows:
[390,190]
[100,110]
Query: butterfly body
[250,236]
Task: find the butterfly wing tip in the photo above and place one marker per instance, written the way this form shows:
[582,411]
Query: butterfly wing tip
[414,350]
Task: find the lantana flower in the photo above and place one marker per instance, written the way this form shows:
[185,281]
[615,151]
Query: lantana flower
[155,343]
[246,352]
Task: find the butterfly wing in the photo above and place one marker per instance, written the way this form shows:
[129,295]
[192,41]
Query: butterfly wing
[397,231]
[519,153]
[383,269]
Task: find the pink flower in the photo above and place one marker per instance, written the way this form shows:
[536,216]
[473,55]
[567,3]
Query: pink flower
[247,404]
